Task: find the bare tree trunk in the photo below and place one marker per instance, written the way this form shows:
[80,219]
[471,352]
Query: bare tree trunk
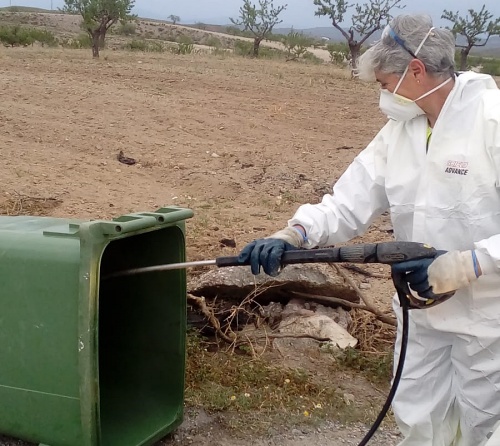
[464,53]
[95,43]
[102,39]
[355,50]
[256,46]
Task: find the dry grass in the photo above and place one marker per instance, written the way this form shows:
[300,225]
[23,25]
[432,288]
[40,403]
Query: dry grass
[27,205]
[372,335]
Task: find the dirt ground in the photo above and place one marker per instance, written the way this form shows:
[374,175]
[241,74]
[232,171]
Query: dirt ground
[241,142]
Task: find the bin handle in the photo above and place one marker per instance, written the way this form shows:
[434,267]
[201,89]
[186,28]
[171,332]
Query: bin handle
[137,221]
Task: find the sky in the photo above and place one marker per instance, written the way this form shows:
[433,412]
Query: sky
[299,13]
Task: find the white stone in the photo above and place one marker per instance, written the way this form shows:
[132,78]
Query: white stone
[318,326]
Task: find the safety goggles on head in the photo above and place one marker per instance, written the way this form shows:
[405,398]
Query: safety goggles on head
[388,31]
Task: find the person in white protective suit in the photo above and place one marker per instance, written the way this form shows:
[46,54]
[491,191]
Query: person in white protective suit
[436,166]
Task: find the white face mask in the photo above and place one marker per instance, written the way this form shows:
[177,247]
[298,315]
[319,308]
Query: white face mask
[400,108]
[397,107]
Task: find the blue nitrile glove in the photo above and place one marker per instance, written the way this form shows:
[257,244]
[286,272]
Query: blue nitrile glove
[438,277]
[267,252]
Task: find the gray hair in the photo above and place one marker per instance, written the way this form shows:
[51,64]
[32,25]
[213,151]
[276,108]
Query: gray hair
[389,56]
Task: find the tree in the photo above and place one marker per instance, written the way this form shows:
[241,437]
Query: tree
[100,15]
[368,18]
[174,18]
[296,44]
[260,22]
[476,27]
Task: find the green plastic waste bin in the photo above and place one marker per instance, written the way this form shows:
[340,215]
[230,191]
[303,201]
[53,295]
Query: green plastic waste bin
[87,361]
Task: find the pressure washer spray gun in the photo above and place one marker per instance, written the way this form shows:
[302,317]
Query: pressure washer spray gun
[386,253]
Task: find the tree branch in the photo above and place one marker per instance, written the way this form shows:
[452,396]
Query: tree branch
[359,270]
[367,36]
[342,31]
[330,300]
[371,307]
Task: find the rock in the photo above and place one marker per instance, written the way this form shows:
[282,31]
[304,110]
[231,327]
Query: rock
[338,315]
[235,283]
[229,242]
[349,398]
[297,307]
[272,312]
[317,325]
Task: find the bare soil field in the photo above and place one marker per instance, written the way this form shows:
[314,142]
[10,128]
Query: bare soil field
[242,142]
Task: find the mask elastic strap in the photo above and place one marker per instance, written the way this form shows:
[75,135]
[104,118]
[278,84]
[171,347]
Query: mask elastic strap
[408,66]
[401,79]
[442,84]
[423,40]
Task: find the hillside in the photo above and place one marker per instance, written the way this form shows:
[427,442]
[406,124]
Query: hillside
[26,9]
[68,26]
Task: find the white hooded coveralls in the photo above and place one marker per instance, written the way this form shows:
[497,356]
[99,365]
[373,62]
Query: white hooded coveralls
[449,198]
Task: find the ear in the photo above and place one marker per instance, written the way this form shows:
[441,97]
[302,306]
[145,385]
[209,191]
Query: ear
[417,69]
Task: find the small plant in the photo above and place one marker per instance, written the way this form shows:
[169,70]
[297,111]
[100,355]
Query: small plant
[44,37]
[216,47]
[200,25]
[145,46]
[156,47]
[16,36]
[214,42]
[272,53]
[339,53]
[184,45]
[126,29]
[243,48]
[80,42]
[311,57]
[218,52]
[233,31]
[276,37]
[20,36]
[137,45]
[377,367]
[491,66]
